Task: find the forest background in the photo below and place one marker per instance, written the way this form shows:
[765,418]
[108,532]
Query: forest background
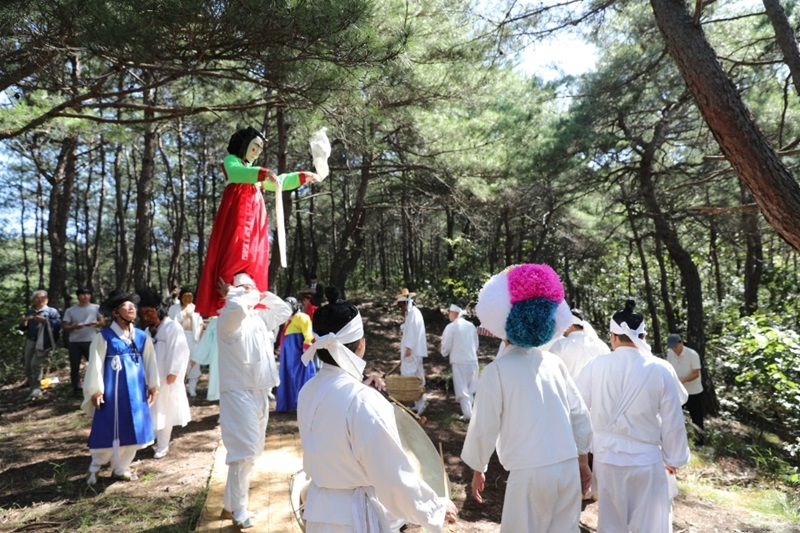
[665,174]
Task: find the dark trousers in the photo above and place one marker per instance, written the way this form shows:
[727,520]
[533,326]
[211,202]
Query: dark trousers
[77,351]
[695,407]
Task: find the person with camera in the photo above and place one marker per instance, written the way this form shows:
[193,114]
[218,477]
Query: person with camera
[42,325]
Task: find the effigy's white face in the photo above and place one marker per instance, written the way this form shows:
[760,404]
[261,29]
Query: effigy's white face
[254,150]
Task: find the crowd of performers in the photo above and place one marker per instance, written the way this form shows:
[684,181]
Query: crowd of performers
[554,394]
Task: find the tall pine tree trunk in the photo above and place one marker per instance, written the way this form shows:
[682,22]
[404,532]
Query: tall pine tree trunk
[774,189]
[144,195]
[62,182]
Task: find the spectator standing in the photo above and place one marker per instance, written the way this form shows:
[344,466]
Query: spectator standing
[318,290]
[42,325]
[686,363]
[81,322]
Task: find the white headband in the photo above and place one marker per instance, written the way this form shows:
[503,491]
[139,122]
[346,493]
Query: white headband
[633,335]
[243,279]
[335,344]
[576,321]
[456,309]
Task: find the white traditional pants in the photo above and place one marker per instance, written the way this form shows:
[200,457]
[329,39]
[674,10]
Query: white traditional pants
[546,499]
[465,381]
[102,456]
[243,423]
[632,499]
[193,372]
[163,437]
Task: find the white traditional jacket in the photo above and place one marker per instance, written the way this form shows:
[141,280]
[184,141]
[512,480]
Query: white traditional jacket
[352,452]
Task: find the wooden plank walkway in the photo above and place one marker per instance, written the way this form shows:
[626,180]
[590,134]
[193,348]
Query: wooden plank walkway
[269,488]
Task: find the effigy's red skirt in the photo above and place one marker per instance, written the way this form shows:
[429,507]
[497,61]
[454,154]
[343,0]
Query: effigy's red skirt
[239,243]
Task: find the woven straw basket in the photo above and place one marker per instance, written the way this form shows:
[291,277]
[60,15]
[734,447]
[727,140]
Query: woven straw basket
[405,388]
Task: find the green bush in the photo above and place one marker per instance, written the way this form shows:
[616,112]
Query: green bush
[759,365]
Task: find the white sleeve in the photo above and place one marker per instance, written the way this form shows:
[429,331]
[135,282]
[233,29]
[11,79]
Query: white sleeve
[695,362]
[277,311]
[447,340]
[376,446]
[682,394]
[674,444]
[484,426]
[231,316]
[150,365]
[583,381]
[178,350]
[93,380]
[578,414]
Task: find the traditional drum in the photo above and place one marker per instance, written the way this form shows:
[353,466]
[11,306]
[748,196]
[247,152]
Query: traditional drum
[418,448]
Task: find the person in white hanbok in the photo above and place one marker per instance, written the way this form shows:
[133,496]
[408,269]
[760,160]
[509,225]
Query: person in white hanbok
[361,480]
[207,353]
[273,312]
[579,345]
[640,436]
[171,407]
[246,376]
[460,344]
[413,345]
[192,324]
[528,408]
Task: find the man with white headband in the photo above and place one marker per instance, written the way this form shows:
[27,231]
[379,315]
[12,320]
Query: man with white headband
[528,408]
[246,376]
[460,344]
[579,345]
[361,480]
[639,431]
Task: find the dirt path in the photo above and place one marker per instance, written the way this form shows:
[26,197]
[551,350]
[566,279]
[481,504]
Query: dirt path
[43,459]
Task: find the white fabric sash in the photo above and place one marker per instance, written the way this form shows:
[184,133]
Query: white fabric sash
[368,514]
[335,344]
[279,216]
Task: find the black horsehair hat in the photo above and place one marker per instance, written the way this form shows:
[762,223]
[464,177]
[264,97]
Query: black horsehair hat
[149,298]
[117,297]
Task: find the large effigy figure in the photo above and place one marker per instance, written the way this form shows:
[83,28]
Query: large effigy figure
[240,236]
